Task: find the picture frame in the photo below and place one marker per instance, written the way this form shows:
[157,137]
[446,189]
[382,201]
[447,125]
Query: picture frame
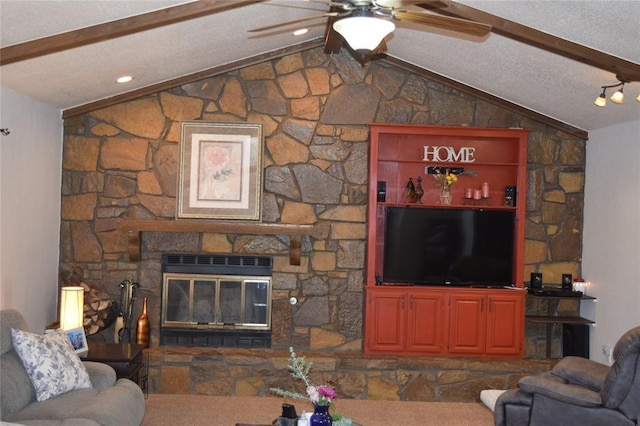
[78,340]
[220,171]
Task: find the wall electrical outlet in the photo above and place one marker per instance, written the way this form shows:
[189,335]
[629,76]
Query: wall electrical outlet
[608,353]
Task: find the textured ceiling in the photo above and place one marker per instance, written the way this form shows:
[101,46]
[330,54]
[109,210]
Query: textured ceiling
[555,86]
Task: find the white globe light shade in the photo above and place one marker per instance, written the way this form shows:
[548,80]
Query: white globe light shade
[363,33]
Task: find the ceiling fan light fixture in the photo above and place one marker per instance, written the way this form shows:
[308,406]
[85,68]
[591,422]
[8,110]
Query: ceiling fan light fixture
[363,33]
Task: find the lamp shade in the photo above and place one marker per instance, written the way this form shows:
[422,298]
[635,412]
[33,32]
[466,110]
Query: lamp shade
[363,32]
[601,101]
[71,307]
[617,97]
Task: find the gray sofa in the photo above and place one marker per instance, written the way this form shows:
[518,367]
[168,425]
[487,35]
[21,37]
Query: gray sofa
[109,402]
[578,391]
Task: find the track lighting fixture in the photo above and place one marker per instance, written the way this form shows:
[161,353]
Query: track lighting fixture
[617,97]
[601,100]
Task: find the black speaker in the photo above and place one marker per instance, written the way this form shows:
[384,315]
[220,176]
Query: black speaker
[567,282]
[382,191]
[575,340]
[510,196]
[536,280]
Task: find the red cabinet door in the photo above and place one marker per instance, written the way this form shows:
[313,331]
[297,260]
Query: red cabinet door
[505,323]
[426,323]
[385,322]
[468,322]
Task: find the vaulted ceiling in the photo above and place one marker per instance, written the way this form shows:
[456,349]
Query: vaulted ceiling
[548,56]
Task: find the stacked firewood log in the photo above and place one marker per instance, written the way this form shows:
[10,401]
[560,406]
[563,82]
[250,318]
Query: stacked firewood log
[98,311]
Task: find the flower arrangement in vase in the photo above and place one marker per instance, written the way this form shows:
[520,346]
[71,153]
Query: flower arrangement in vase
[320,396]
[445,182]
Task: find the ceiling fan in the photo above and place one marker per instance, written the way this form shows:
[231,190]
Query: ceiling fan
[364,24]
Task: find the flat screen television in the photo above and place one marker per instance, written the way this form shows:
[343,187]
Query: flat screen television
[442,246]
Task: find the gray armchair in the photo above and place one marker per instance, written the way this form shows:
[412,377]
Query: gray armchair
[578,391]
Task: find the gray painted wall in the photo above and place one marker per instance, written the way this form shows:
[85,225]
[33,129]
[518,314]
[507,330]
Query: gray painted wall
[30,179]
[611,242]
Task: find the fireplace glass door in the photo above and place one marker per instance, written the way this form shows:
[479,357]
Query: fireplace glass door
[212,301]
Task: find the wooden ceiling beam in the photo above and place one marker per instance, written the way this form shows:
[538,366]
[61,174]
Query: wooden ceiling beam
[118,28]
[541,40]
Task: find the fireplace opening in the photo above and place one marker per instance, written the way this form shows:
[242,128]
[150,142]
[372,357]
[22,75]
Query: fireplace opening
[216,300]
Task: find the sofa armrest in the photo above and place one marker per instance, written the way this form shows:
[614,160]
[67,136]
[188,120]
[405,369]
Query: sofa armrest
[101,375]
[512,408]
[556,388]
[582,371]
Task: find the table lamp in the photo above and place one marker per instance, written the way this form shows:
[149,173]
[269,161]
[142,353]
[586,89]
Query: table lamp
[72,317]
[71,307]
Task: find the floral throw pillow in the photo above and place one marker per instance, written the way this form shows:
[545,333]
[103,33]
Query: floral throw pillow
[51,363]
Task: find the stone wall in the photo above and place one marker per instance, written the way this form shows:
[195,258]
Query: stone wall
[237,372]
[121,162]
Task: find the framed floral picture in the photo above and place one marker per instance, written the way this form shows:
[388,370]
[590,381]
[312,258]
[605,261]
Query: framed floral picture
[220,171]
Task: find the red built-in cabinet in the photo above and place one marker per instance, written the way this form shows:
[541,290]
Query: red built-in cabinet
[443,320]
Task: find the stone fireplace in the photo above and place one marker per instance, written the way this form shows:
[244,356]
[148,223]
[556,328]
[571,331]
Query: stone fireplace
[216,300]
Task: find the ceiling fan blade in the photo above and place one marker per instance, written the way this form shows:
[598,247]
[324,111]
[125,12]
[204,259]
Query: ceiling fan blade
[329,2]
[445,22]
[394,4]
[294,21]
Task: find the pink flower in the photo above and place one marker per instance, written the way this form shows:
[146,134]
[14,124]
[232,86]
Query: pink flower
[321,395]
[217,157]
[313,393]
[327,391]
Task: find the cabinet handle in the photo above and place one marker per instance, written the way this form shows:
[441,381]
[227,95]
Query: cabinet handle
[481,305]
[411,301]
[490,304]
[403,302]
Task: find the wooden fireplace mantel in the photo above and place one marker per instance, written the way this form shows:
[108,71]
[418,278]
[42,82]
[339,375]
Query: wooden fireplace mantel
[135,227]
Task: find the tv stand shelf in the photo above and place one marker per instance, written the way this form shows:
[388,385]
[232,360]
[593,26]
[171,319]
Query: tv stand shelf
[446,320]
[466,205]
[550,318]
[565,319]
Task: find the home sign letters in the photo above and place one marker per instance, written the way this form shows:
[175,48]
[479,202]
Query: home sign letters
[447,154]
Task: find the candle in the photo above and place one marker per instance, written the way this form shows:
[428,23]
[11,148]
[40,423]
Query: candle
[485,190]
[477,194]
[468,193]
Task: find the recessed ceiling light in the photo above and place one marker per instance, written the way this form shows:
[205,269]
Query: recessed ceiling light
[124,79]
[301,31]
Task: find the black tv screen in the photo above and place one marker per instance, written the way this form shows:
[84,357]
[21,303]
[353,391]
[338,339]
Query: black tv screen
[439,246]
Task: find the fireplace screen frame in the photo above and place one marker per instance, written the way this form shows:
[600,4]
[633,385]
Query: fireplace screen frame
[216,311]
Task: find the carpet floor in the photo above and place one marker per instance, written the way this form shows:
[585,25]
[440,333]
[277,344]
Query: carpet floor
[195,410]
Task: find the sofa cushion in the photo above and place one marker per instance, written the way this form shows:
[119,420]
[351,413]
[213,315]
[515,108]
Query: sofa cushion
[51,363]
[582,371]
[118,405]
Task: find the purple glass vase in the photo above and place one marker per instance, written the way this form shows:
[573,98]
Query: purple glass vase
[320,416]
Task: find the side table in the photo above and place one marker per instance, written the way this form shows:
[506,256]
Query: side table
[126,359]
